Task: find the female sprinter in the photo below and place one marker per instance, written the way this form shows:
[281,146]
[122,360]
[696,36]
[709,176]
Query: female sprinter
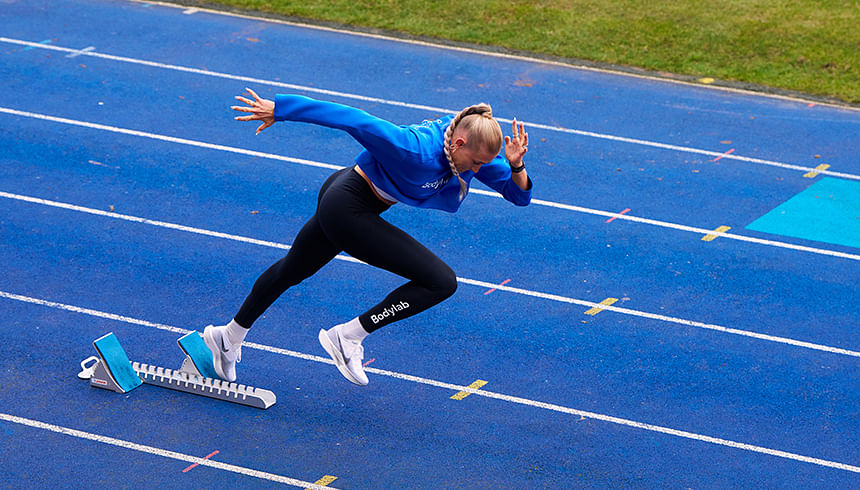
[427,165]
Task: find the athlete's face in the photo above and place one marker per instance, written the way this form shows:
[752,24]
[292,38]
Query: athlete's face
[467,158]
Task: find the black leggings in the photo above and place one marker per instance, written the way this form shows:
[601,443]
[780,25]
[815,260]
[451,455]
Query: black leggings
[348,219]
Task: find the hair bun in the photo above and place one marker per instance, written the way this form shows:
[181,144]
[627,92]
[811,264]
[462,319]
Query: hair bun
[481,109]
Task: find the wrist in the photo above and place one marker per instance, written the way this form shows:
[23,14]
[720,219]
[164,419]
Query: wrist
[517,167]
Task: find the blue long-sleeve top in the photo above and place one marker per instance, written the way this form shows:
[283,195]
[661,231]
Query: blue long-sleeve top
[406,162]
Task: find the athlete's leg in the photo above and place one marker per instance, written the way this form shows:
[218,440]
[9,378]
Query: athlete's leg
[354,225]
[311,250]
[348,214]
[431,280]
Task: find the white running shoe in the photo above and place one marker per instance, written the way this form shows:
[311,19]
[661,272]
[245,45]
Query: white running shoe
[225,355]
[347,354]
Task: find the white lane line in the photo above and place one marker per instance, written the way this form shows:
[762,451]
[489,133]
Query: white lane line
[135,219]
[142,448]
[665,318]
[435,110]
[78,52]
[482,284]
[679,227]
[458,388]
[169,139]
[158,326]
[311,163]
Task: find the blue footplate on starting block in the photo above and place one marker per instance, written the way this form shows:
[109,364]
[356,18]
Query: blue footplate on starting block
[117,363]
[193,346]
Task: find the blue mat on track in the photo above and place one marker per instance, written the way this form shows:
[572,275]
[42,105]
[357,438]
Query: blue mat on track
[828,211]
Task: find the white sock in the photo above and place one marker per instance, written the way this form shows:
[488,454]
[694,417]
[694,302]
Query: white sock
[353,330]
[236,333]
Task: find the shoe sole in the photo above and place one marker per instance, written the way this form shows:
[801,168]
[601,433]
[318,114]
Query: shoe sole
[216,354]
[337,357]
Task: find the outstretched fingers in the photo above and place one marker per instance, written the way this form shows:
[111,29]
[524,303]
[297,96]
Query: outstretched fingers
[516,145]
[254,95]
[265,125]
[520,137]
[251,107]
[258,109]
[249,102]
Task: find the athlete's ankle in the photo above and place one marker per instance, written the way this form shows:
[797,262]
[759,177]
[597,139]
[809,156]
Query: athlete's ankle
[235,333]
[353,330]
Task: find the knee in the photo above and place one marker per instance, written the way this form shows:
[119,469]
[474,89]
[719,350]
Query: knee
[446,283]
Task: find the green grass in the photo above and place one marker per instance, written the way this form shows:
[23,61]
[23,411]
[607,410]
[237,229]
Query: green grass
[808,46]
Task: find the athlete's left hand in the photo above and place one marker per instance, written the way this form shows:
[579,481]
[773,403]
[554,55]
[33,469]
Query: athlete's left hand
[516,146]
[260,109]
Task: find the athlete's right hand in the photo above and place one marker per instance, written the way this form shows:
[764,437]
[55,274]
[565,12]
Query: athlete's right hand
[260,109]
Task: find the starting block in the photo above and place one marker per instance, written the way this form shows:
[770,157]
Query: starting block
[112,370]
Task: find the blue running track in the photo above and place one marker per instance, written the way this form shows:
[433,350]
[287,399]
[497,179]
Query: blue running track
[624,341]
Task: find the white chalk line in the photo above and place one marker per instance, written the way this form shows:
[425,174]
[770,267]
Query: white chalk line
[664,318]
[311,163]
[456,388]
[144,323]
[679,227]
[435,110]
[77,53]
[169,139]
[142,448]
[463,280]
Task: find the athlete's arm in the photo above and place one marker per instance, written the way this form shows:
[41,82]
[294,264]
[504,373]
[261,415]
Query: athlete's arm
[385,140]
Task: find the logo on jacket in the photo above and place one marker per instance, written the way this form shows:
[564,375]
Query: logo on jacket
[436,184]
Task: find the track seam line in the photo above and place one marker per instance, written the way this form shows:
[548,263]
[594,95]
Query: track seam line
[346,95]
[311,163]
[458,388]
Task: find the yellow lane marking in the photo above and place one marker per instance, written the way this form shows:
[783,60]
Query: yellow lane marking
[463,394]
[596,310]
[722,229]
[325,480]
[813,174]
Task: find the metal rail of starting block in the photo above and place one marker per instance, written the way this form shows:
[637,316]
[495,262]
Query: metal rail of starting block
[112,370]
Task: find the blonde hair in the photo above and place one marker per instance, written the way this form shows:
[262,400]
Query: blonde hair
[482,130]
